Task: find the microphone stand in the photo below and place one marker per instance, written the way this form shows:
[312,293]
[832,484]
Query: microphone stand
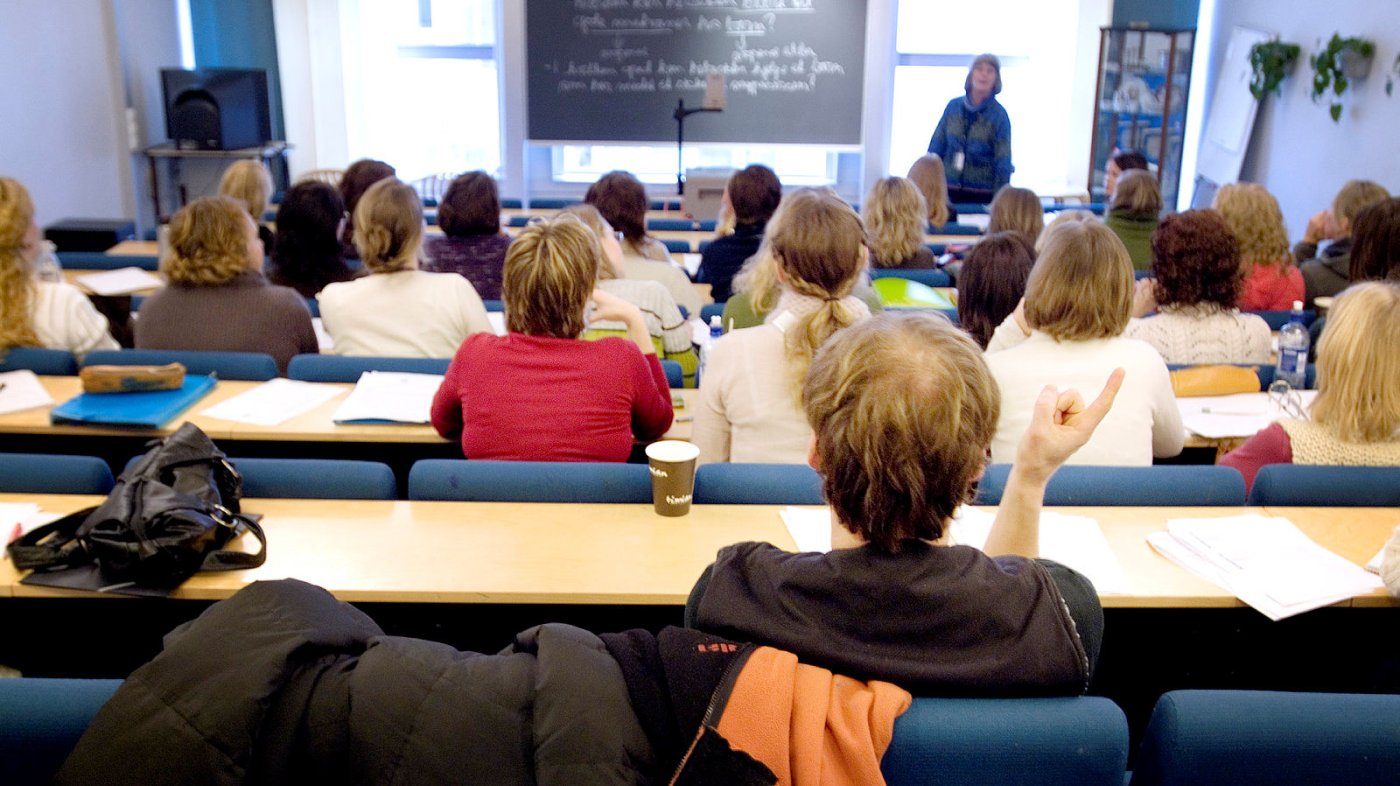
[680,115]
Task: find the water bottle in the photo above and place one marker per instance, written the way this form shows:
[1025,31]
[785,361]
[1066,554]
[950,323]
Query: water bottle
[46,267]
[1293,350]
[716,330]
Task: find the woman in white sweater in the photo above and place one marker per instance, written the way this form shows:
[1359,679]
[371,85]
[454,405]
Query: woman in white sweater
[399,311]
[1196,281]
[52,315]
[1069,334]
[750,407]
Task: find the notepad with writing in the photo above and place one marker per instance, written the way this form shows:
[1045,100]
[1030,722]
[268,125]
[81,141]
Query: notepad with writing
[390,397]
[142,410]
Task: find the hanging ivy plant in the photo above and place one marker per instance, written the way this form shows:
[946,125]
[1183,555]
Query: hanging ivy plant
[1271,61]
[1335,65]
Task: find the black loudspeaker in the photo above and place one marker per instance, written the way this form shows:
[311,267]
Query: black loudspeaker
[216,108]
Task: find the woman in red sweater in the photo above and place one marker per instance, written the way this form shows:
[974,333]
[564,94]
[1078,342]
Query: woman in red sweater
[1271,281]
[540,393]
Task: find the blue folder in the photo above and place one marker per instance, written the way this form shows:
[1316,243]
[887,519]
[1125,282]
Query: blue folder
[142,410]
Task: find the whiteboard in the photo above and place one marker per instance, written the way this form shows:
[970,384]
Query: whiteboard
[1230,119]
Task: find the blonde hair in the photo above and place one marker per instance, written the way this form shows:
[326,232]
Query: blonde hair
[550,271]
[1017,210]
[1137,193]
[1358,364]
[927,173]
[820,249]
[248,182]
[208,243]
[389,226]
[1081,286]
[1255,220]
[758,278]
[16,274]
[594,220]
[1353,197]
[903,409]
[1061,218]
[895,217]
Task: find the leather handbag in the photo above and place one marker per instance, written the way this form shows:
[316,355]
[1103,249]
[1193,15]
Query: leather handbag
[168,517]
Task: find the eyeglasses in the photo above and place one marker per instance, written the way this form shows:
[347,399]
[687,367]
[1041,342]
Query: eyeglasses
[1286,399]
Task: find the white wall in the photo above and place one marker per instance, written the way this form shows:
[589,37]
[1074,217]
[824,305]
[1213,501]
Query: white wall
[63,132]
[1297,152]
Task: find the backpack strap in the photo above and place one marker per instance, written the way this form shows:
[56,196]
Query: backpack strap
[227,559]
[38,551]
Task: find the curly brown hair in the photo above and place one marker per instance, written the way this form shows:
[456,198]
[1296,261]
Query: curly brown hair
[1196,259]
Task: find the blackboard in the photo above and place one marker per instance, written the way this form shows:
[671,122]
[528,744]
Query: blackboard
[613,70]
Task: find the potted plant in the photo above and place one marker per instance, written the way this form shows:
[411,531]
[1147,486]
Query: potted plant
[1335,65]
[1271,61]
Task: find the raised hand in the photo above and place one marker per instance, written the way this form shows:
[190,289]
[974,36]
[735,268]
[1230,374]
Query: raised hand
[1060,424]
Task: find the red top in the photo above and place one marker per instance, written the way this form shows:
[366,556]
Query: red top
[1271,288]
[533,398]
[1270,446]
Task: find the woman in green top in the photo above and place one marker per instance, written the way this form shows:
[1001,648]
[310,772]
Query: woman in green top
[1133,214]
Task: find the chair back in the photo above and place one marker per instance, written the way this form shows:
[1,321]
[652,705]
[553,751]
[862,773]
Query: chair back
[929,277]
[316,479]
[528,481]
[1277,319]
[711,310]
[1168,485]
[1303,485]
[675,375]
[1251,738]
[251,366]
[348,368]
[1081,740]
[758,484]
[677,245]
[952,228]
[101,260]
[41,721]
[53,362]
[46,473]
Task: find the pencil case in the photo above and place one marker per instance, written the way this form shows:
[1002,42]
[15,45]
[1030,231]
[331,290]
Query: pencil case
[131,379]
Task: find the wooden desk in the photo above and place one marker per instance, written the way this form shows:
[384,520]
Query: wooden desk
[135,248]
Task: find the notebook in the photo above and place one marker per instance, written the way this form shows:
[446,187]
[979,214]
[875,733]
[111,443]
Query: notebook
[142,410]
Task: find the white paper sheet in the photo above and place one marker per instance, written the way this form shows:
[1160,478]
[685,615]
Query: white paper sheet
[390,397]
[1240,415]
[21,390]
[498,322]
[1076,541]
[809,527]
[122,281]
[1267,562]
[274,402]
[691,262]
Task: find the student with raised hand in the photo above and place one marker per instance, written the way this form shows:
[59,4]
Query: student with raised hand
[1133,214]
[749,407]
[216,297]
[1271,280]
[33,313]
[895,220]
[472,244]
[398,310]
[306,253]
[902,409]
[622,199]
[1196,281]
[249,183]
[751,195]
[1068,332]
[670,331]
[540,393]
[1355,419]
[1329,272]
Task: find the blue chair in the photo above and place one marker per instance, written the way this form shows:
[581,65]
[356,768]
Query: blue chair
[1167,485]
[670,225]
[758,484]
[528,481]
[494,305]
[675,375]
[316,479]
[1252,738]
[518,221]
[1302,485]
[46,473]
[314,306]
[929,277]
[1081,740]
[1277,319]
[510,204]
[347,368]
[548,203]
[1139,275]
[955,229]
[938,249]
[98,260]
[252,366]
[40,723]
[711,310]
[53,362]
[707,225]
[971,208]
[677,246]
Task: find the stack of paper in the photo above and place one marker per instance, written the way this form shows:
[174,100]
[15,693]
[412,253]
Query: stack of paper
[390,397]
[1240,415]
[273,402]
[1075,541]
[122,281]
[1267,562]
[21,390]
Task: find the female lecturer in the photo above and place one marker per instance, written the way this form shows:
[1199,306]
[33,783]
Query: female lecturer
[974,136]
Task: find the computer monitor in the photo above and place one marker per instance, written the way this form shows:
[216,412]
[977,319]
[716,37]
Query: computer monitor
[216,108]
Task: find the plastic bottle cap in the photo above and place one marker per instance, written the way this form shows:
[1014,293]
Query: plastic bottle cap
[1297,305]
